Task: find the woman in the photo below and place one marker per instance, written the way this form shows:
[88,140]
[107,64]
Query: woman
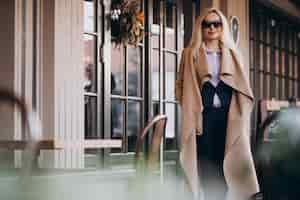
[216,101]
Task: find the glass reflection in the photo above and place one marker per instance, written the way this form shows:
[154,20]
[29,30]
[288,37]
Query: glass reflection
[155,29]
[170,68]
[134,123]
[89,16]
[155,33]
[90,72]
[170,129]
[170,138]
[156,11]
[134,71]
[155,74]
[117,71]
[117,118]
[181,32]
[90,117]
[170,29]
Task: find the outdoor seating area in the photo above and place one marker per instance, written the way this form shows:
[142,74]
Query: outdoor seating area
[32,182]
[132,183]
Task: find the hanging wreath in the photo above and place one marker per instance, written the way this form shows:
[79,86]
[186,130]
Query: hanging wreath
[127,22]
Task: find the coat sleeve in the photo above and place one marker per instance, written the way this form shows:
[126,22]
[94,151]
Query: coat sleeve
[179,79]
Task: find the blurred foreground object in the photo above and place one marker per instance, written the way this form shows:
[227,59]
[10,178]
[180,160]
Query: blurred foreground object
[278,155]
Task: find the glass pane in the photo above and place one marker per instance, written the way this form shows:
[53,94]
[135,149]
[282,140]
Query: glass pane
[156,11]
[90,117]
[251,53]
[117,71]
[170,26]
[282,63]
[290,38]
[283,89]
[267,86]
[89,16]
[260,33]
[252,78]
[181,33]
[170,129]
[277,64]
[170,69]
[291,88]
[251,25]
[296,67]
[155,32]
[155,29]
[283,37]
[297,42]
[277,87]
[134,71]
[155,74]
[294,42]
[264,58]
[117,118]
[291,66]
[260,84]
[268,31]
[261,56]
[134,123]
[277,35]
[296,89]
[90,71]
[156,107]
[263,30]
[268,58]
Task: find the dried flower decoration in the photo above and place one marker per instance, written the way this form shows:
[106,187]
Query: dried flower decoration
[127,22]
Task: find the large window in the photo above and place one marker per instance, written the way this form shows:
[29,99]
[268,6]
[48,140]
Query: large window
[127,99]
[91,38]
[274,42]
[130,92]
[142,77]
[166,45]
[274,55]
[127,93]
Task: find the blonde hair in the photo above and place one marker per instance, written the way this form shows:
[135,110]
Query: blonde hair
[226,37]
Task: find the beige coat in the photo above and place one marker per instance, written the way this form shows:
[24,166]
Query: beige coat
[238,165]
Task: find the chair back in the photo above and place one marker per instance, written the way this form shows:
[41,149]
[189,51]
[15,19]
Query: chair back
[32,128]
[158,123]
[257,196]
[30,119]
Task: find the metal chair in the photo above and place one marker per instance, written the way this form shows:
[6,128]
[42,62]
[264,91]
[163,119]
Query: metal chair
[155,154]
[257,196]
[31,135]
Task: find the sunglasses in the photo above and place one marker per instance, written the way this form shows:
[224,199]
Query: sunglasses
[216,24]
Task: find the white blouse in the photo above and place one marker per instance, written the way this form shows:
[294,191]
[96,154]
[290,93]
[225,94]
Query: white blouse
[213,60]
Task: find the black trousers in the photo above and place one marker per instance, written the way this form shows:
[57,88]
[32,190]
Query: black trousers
[211,144]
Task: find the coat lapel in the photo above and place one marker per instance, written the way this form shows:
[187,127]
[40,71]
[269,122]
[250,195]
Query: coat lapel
[226,71]
[226,63]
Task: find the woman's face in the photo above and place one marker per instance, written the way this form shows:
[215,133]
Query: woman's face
[212,27]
